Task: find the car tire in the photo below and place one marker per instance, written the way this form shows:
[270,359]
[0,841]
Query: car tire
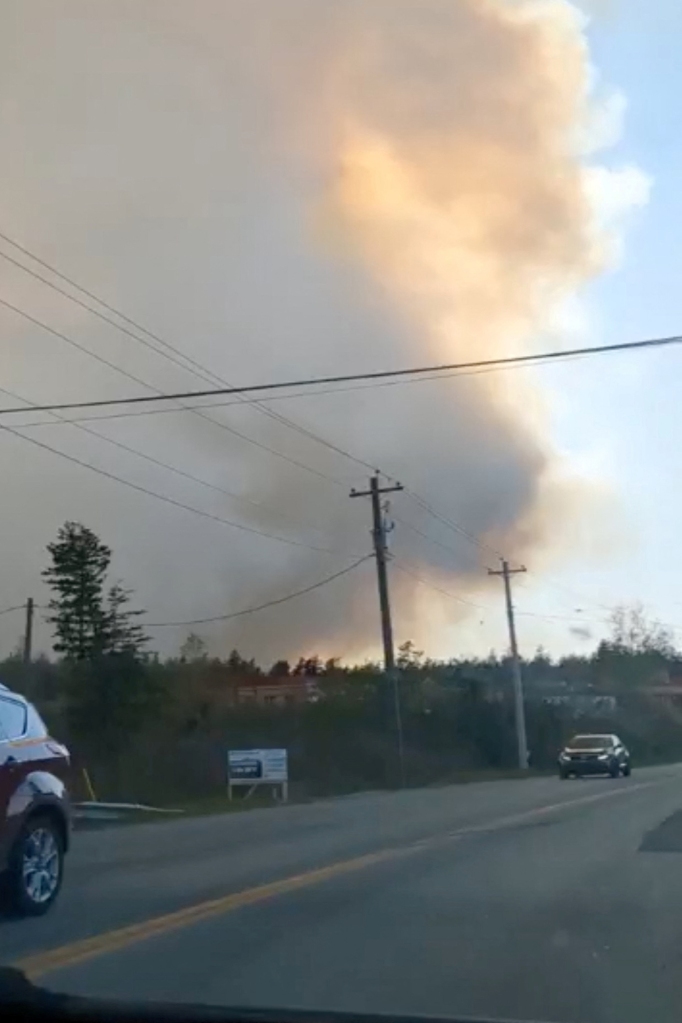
[36,866]
[627,770]
[614,770]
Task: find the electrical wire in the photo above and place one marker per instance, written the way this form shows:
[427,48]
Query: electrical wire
[584,619]
[262,607]
[167,350]
[574,597]
[80,425]
[432,539]
[77,345]
[400,565]
[157,395]
[424,536]
[481,607]
[94,310]
[153,461]
[346,377]
[451,524]
[577,619]
[17,607]
[189,364]
[76,421]
[198,411]
[165,498]
[275,397]
[197,369]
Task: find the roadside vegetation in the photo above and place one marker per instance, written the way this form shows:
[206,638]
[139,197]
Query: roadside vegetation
[158,731]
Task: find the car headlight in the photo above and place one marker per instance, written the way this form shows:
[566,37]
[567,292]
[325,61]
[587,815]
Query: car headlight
[564,756]
[603,756]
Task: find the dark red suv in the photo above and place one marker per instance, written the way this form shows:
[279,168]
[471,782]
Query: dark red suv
[34,807]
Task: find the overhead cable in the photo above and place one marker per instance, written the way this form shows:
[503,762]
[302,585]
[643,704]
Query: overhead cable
[262,607]
[350,377]
[164,497]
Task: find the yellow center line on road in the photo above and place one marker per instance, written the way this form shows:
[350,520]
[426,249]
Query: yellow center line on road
[76,952]
[34,966]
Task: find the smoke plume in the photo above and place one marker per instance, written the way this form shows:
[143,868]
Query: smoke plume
[289,189]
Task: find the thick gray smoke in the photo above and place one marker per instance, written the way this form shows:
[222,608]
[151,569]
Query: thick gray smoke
[284,190]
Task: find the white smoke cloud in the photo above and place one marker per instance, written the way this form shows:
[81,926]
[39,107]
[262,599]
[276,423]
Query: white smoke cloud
[286,190]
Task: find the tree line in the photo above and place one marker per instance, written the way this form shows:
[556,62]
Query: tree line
[135,718]
[92,618]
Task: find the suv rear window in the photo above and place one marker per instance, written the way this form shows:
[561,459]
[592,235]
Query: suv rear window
[12,719]
[590,741]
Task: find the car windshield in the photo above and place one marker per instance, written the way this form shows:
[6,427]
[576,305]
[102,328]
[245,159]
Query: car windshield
[590,741]
[340,446]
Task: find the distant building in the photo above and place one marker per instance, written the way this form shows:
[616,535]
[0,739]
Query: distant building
[278,692]
[583,704]
[665,690]
[581,701]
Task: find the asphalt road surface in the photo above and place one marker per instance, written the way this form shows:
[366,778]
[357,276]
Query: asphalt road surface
[537,899]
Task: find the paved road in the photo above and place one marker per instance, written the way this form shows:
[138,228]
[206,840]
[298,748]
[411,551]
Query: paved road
[535,900]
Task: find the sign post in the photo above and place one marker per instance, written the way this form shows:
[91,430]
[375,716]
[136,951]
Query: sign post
[254,767]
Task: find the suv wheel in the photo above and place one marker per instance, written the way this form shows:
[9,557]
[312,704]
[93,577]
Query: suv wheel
[626,770]
[36,866]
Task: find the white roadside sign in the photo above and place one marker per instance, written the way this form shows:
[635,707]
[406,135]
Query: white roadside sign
[254,767]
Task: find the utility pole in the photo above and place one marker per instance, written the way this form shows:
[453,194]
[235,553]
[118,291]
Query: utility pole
[506,572]
[380,553]
[28,632]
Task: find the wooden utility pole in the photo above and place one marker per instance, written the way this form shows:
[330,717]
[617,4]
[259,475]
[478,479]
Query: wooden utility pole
[380,553]
[506,572]
[28,631]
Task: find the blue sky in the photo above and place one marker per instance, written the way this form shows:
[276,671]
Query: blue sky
[627,408]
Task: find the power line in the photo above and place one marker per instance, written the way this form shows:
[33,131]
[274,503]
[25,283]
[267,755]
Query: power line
[400,565]
[69,280]
[423,503]
[258,403]
[200,371]
[194,367]
[79,424]
[198,411]
[158,395]
[17,607]
[164,497]
[76,344]
[575,598]
[262,607]
[348,377]
[336,448]
[153,460]
[189,364]
[432,539]
[578,620]
[424,536]
[450,523]
[95,311]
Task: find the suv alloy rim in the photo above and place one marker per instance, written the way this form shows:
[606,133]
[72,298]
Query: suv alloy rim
[40,865]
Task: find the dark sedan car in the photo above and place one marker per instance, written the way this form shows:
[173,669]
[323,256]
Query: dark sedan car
[34,808]
[594,754]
